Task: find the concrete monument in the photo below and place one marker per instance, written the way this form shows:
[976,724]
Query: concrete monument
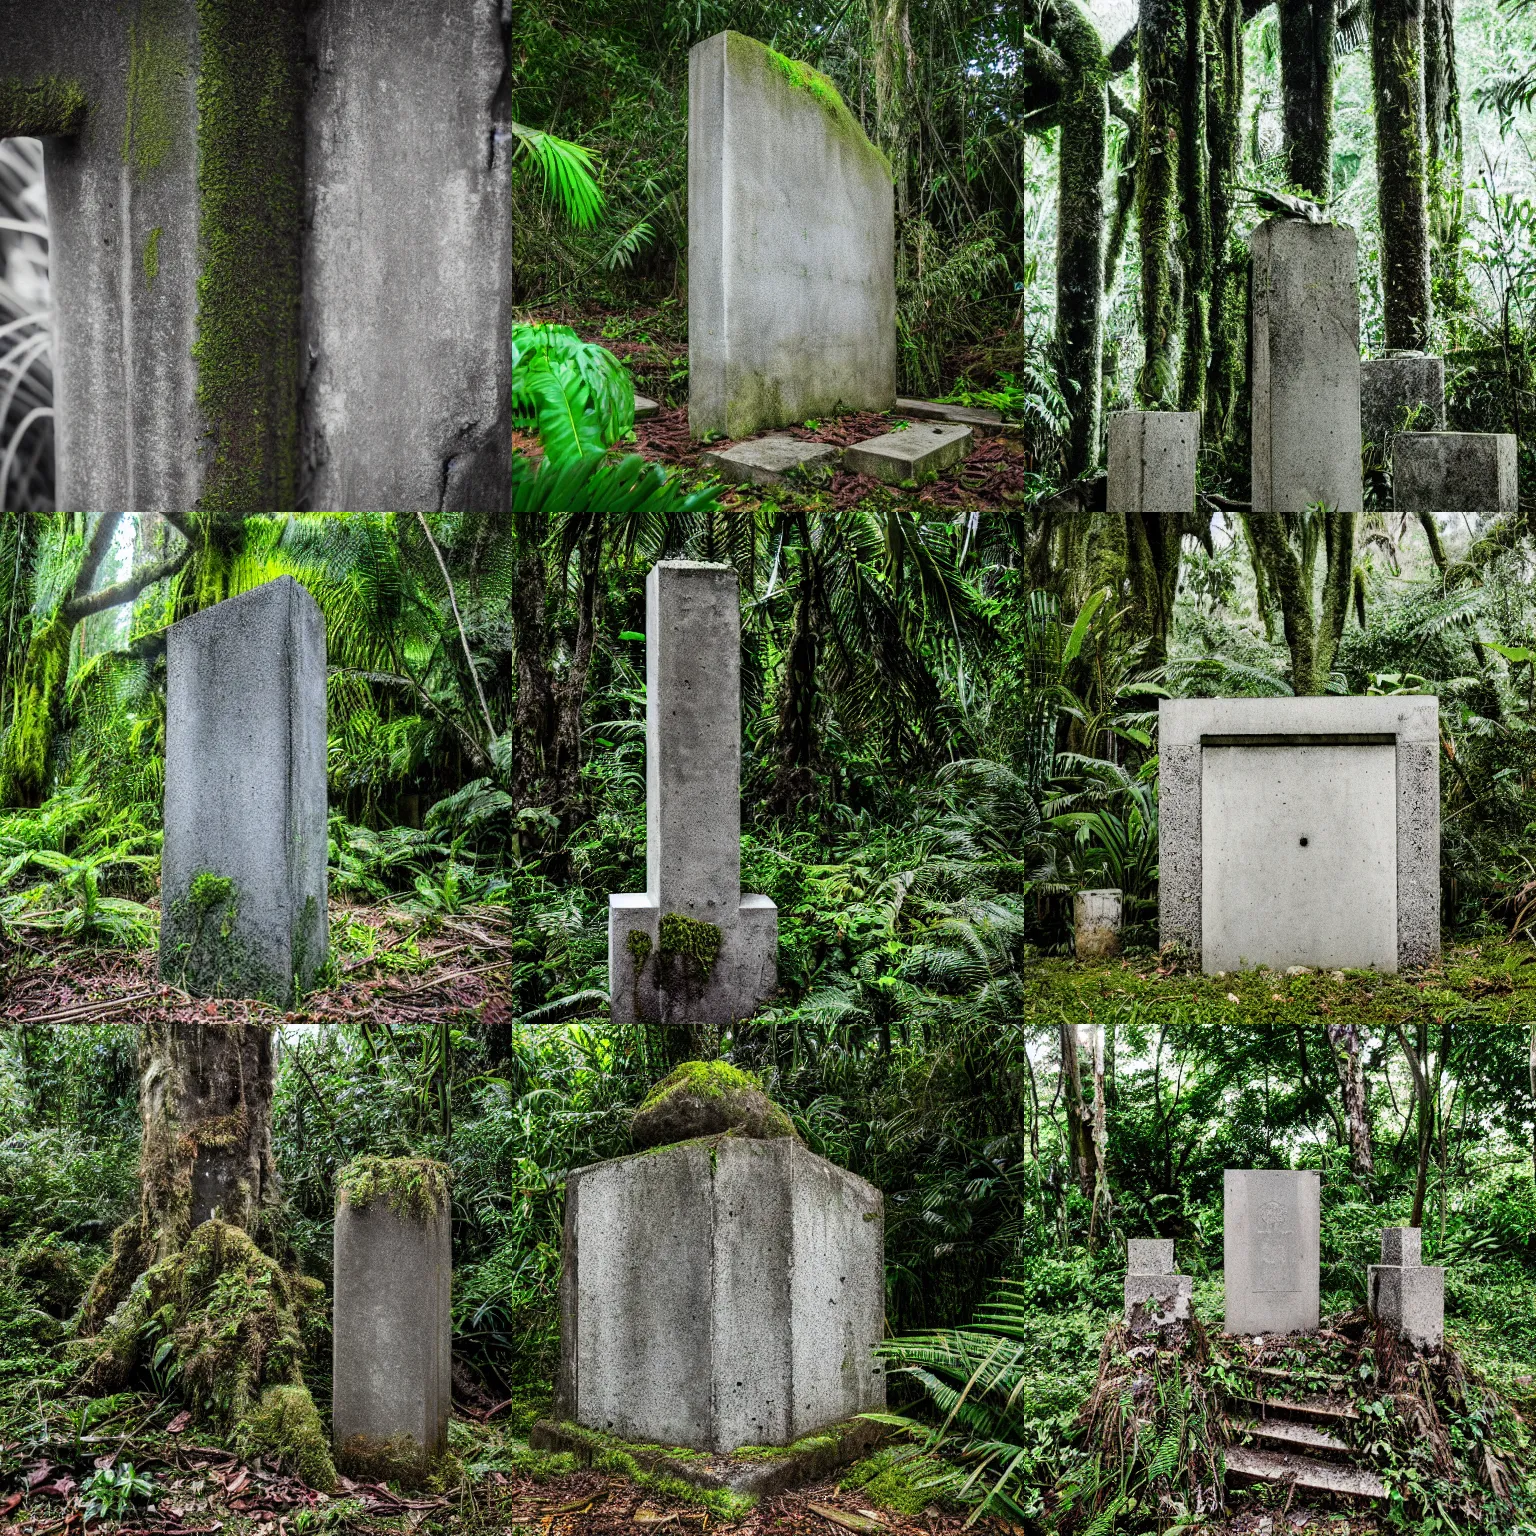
[720,1292]
[791,246]
[1306,367]
[1156,1300]
[1406,1296]
[1300,831]
[1472,473]
[1152,458]
[392,1332]
[1096,924]
[691,949]
[244,321]
[1402,392]
[243,867]
[1271,1250]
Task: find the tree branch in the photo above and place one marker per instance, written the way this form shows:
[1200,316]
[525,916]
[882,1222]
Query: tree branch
[469,661]
[125,591]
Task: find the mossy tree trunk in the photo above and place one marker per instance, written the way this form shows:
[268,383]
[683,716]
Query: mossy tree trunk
[1307,32]
[1227,327]
[1081,1145]
[1348,1050]
[1195,197]
[1402,193]
[795,727]
[895,68]
[1443,148]
[1162,49]
[1285,551]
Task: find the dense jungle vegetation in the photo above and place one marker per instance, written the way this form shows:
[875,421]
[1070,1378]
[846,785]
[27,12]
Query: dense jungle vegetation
[950,708]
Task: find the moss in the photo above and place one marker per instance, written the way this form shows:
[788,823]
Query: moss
[688,946]
[157,72]
[24,753]
[286,1425]
[201,948]
[51,1271]
[399,1460]
[152,256]
[41,109]
[705,1080]
[898,1478]
[646,1467]
[414,1188]
[638,943]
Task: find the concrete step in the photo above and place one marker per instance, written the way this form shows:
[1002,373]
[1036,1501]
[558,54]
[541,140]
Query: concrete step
[645,408]
[1324,1478]
[1287,1435]
[772,460]
[1312,1410]
[915,453]
[984,421]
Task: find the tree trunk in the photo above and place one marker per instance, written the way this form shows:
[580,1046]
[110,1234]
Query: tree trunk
[1162,52]
[1397,78]
[1442,145]
[1532,1063]
[1349,1062]
[572,694]
[535,721]
[795,728]
[1080,1115]
[205,1100]
[1195,196]
[1286,574]
[895,66]
[1307,31]
[1227,326]
[1424,1113]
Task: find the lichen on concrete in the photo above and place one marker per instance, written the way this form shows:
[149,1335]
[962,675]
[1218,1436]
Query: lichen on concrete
[152,256]
[157,72]
[39,109]
[804,78]
[414,1188]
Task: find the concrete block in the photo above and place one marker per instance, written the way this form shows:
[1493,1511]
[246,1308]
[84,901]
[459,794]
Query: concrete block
[693,817]
[720,1293]
[1300,831]
[1409,1300]
[1270,1227]
[1149,1256]
[646,409]
[1152,458]
[1473,473]
[1402,392]
[915,453]
[791,246]
[979,419]
[1159,1304]
[392,1333]
[771,460]
[1306,367]
[1402,1245]
[1096,924]
[243,868]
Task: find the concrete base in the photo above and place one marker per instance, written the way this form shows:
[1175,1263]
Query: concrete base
[771,460]
[1160,1304]
[1409,1301]
[918,453]
[245,797]
[1474,473]
[1271,1250]
[1152,458]
[1403,392]
[1096,924]
[759,1474]
[985,423]
[392,1350]
[720,1293]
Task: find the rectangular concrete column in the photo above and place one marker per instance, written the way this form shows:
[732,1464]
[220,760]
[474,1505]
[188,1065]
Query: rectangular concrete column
[1272,1257]
[656,968]
[392,1332]
[1152,462]
[1404,1295]
[1156,1299]
[1472,473]
[1402,392]
[243,869]
[1306,367]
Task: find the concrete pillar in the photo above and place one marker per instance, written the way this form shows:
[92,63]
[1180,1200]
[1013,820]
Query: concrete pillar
[1152,462]
[1156,1300]
[1404,1295]
[392,1330]
[1306,367]
[1472,473]
[718,1293]
[657,970]
[791,246]
[1271,1250]
[1096,924]
[243,868]
[1404,391]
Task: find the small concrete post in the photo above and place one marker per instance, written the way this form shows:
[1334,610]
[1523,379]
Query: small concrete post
[1306,367]
[1401,392]
[1152,462]
[1156,1299]
[243,872]
[1472,473]
[691,948]
[1096,924]
[1271,1250]
[1405,1295]
[392,1332]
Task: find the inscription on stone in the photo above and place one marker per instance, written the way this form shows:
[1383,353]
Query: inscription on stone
[1276,1260]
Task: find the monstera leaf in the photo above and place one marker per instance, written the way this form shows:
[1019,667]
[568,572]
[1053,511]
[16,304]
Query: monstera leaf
[574,394]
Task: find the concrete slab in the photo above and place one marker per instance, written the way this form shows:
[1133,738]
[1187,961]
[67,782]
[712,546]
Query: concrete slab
[645,408]
[1096,924]
[1473,473]
[1402,392]
[772,460]
[1152,457]
[1271,1250]
[1149,1256]
[914,453]
[985,422]
[1302,1472]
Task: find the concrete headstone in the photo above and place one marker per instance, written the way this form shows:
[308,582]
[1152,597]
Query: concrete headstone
[1271,1250]
[243,866]
[791,246]
[1473,473]
[1405,1295]
[1096,924]
[1402,392]
[1152,458]
[1157,1300]
[720,1293]
[691,949]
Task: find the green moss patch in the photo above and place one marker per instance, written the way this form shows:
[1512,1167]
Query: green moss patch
[157,74]
[706,1098]
[414,1188]
[898,1478]
[286,1426]
[41,109]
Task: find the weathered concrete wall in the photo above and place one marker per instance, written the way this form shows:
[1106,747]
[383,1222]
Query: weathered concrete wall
[408,259]
[1242,781]
[1306,367]
[1096,924]
[1403,391]
[791,246]
[245,796]
[719,1293]
[693,813]
[1474,473]
[1271,1251]
[392,1334]
[1152,458]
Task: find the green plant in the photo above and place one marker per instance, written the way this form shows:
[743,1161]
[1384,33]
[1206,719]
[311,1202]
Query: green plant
[110,1493]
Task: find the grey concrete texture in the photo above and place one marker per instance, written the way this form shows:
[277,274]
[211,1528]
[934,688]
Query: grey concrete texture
[392,1330]
[1271,1252]
[1471,473]
[1151,468]
[1161,1304]
[1402,392]
[693,811]
[771,460]
[1402,1245]
[402,400]
[917,452]
[1242,781]
[646,409]
[984,421]
[245,795]
[1096,924]
[1306,367]
[1149,1256]
[791,249]
[720,1293]
[1409,1300]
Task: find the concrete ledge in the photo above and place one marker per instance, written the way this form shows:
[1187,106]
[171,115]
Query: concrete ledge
[752,1472]
[772,460]
[987,422]
[916,453]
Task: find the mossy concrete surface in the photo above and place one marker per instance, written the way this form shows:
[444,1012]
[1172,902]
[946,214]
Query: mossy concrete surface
[704,1098]
[414,1188]
[749,1474]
